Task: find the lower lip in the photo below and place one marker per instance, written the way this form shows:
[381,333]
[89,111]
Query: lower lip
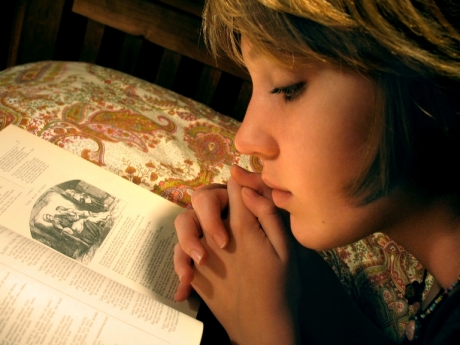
[280,197]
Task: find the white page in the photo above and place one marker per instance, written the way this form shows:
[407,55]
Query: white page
[133,239]
[48,298]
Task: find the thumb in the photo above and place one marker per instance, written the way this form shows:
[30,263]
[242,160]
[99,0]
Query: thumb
[269,218]
[251,180]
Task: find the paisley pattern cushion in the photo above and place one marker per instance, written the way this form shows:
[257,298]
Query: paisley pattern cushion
[172,145]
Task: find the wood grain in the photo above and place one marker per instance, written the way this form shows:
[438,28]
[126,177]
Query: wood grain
[177,31]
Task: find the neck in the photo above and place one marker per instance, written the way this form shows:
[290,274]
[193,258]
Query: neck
[432,234]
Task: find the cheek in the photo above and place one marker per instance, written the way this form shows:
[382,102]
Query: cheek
[326,156]
[326,235]
[345,150]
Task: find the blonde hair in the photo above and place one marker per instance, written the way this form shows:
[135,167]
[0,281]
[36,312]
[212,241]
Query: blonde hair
[411,48]
[364,34]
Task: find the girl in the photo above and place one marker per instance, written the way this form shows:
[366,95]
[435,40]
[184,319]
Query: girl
[355,116]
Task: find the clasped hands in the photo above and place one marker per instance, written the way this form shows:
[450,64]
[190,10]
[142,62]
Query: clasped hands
[241,264]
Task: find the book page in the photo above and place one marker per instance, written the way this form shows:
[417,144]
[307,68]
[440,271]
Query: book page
[91,215]
[48,298]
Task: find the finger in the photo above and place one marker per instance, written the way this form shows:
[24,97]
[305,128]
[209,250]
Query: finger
[183,265]
[209,204]
[254,181]
[189,232]
[269,218]
[240,217]
[251,180]
[183,292]
[184,270]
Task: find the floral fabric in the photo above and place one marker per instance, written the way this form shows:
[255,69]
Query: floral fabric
[171,145]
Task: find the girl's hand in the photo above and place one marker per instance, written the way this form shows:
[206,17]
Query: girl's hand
[210,204]
[252,284]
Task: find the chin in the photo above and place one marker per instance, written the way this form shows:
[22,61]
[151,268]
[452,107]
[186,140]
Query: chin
[307,238]
[312,239]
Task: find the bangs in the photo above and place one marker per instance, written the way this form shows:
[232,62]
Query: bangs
[365,35]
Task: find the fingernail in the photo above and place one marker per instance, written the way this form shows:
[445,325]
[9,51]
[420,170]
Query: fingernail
[180,278]
[196,256]
[220,240]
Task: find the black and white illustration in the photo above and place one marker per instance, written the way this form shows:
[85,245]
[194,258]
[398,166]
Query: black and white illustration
[74,218]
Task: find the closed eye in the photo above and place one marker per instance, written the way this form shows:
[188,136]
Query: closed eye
[289,92]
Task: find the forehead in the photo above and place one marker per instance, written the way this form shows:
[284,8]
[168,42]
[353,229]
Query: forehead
[248,50]
[288,62]
[254,55]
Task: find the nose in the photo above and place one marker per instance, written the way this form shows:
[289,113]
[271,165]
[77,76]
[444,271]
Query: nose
[256,135]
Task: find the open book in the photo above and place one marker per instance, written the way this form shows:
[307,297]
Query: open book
[85,256]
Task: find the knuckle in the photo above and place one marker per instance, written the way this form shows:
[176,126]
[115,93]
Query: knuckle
[183,219]
[204,194]
[180,219]
[198,196]
[263,206]
[177,249]
[268,207]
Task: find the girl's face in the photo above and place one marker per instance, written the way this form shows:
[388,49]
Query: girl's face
[310,127]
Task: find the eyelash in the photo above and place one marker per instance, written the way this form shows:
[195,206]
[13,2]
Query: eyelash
[289,92]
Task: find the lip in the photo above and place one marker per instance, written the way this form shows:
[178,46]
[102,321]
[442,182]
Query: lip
[280,196]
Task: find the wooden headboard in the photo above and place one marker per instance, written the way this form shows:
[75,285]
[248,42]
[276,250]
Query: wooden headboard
[156,40]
